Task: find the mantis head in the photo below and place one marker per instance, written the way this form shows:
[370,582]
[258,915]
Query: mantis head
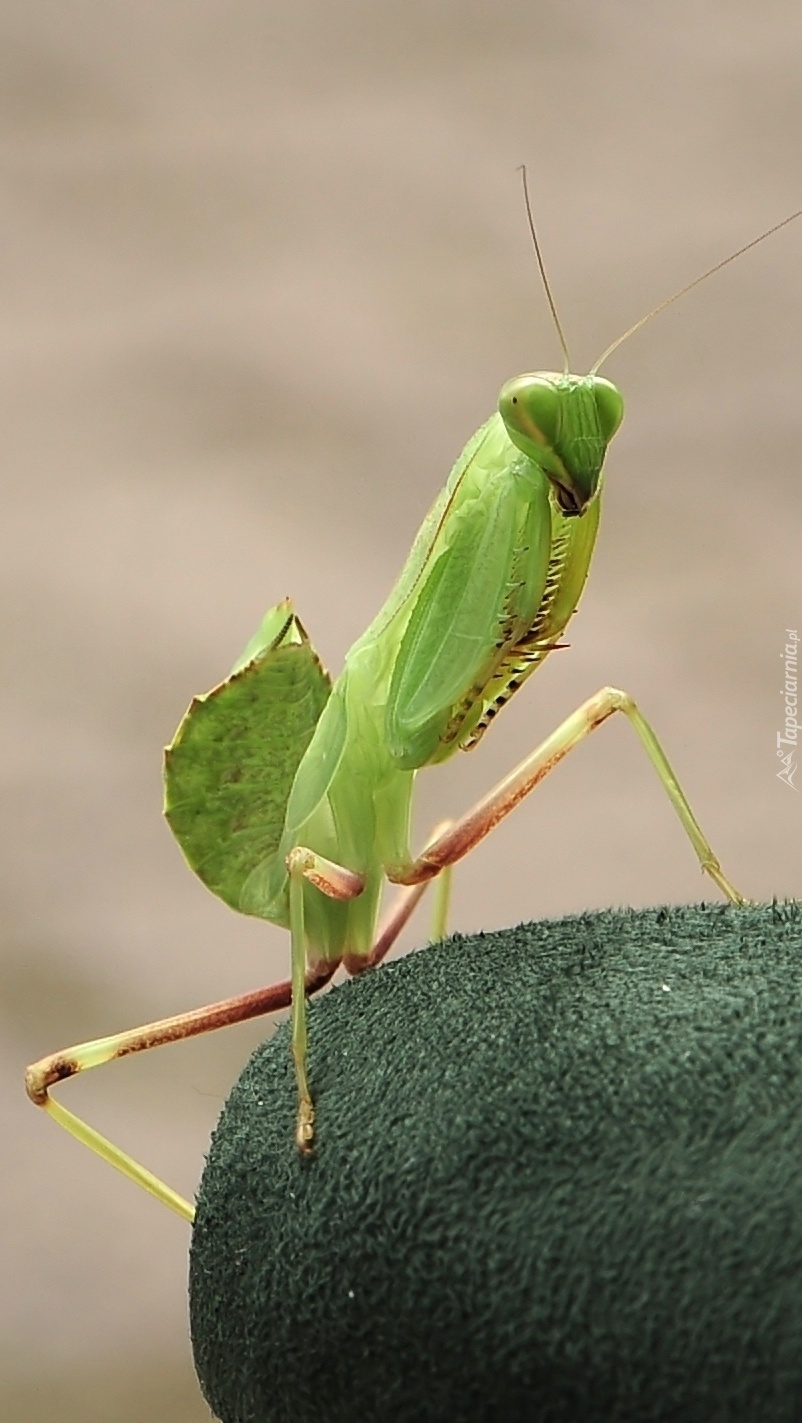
[563,424]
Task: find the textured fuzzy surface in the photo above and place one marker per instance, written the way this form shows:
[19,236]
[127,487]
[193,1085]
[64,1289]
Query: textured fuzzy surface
[557,1178]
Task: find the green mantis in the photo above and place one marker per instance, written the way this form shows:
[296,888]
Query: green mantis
[290,795]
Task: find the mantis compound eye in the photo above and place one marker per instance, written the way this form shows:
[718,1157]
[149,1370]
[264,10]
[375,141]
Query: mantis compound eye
[610,406]
[531,407]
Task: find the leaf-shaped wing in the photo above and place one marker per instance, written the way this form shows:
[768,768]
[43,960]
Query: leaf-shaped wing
[230,767]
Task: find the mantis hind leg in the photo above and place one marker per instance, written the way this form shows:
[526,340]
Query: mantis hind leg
[461,837]
[404,905]
[401,911]
[43,1075]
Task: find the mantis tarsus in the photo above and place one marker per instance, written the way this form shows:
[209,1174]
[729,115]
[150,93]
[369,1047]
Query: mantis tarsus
[290,796]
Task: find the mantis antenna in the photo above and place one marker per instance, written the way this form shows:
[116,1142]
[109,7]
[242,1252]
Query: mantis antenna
[669,301]
[530,219]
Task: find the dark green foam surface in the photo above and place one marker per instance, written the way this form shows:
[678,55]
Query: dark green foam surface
[557,1177]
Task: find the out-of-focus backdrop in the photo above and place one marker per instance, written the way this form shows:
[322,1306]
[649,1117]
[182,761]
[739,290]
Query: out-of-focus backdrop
[264,268]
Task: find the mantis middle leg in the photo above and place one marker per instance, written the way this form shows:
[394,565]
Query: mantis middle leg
[337,882]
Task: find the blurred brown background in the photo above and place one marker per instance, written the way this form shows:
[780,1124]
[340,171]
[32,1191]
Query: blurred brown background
[264,268]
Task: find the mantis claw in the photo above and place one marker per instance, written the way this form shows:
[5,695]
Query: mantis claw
[712,868]
[305,1129]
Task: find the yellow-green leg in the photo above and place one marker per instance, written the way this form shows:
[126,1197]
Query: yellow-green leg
[458,839]
[68,1062]
[49,1071]
[442,904]
[338,883]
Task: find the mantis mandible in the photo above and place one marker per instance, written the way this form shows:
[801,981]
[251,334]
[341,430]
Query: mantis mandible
[290,796]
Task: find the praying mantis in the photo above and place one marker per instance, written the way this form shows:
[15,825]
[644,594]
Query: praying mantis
[290,795]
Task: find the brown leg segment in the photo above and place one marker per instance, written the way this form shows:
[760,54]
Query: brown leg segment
[455,842]
[60,1065]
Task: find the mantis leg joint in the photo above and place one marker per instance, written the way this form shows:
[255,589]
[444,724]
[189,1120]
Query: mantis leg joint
[335,881]
[45,1074]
